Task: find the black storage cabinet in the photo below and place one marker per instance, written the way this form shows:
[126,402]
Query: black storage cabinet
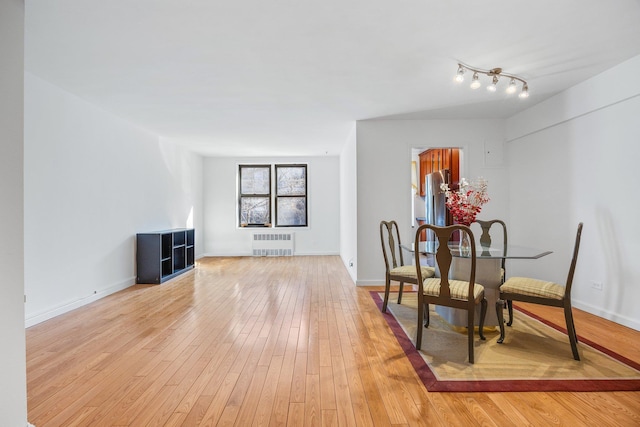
[162,255]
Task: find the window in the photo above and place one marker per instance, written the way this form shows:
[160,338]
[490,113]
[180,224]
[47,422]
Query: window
[291,195]
[255,195]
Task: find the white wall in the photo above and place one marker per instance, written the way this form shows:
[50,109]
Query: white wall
[574,158]
[92,181]
[384,176]
[223,237]
[13,376]
[349,205]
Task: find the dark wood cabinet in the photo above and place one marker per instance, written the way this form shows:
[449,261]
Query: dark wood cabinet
[163,255]
[435,159]
[425,165]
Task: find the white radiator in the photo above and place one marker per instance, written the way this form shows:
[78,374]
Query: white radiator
[272,244]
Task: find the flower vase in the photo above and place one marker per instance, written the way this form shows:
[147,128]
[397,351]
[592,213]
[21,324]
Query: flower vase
[465,245]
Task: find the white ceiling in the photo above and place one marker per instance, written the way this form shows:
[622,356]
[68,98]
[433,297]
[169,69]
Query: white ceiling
[290,77]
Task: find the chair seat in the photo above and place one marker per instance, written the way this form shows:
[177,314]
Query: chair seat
[410,271]
[459,289]
[533,287]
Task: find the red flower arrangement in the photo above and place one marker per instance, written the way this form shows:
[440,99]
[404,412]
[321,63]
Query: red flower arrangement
[466,203]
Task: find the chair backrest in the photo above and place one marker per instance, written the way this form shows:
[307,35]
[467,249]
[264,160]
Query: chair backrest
[485,237]
[390,240]
[444,256]
[574,260]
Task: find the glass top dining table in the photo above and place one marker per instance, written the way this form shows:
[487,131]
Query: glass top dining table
[488,272]
[492,252]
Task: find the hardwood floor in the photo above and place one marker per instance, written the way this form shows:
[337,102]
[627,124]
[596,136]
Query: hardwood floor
[271,341]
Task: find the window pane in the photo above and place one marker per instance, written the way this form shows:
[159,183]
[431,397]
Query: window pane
[254,180]
[291,181]
[254,210]
[292,211]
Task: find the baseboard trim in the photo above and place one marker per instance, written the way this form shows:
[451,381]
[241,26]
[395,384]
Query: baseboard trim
[614,317]
[370,283]
[41,317]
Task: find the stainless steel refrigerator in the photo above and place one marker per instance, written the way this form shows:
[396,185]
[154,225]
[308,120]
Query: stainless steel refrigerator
[435,200]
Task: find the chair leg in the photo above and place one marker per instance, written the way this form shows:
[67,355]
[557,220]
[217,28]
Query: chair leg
[571,331]
[483,314]
[419,329]
[387,288]
[470,321]
[426,315]
[400,292]
[510,307]
[499,311]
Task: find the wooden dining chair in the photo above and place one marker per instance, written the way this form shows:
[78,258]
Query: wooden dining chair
[455,293]
[396,270]
[542,292]
[485,241]
[485,237]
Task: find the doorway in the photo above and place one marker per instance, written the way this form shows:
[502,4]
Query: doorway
[425,161]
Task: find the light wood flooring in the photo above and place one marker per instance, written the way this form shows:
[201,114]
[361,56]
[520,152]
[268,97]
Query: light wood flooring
[271,341]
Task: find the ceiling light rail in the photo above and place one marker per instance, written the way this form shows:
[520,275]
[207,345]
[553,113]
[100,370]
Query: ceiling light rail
[495,74]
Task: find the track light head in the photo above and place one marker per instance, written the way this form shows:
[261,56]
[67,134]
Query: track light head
[475,84]
[460,74]
[493,86]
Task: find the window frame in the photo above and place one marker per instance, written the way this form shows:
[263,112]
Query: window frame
[305,196]
[268,196]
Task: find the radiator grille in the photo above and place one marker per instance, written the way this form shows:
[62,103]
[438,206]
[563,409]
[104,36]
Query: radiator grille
[272,244]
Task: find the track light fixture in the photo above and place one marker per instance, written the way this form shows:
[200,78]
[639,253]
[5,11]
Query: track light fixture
[496,74]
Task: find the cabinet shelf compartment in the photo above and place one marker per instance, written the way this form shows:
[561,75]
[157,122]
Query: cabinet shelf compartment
[167,245]
[179,238]
[179,258]
[190,255]
[167,267]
